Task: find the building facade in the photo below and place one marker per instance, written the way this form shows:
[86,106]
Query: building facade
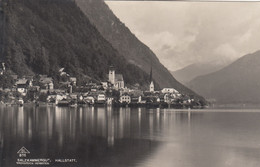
[151,86]
[116,80]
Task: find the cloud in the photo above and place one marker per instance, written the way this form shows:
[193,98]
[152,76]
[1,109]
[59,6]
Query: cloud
[182,33]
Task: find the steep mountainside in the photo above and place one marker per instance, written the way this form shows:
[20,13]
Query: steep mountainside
[192,71]
[41,36]
[237,83]
[126,43]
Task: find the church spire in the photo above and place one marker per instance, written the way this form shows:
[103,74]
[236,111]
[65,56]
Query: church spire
[151,74]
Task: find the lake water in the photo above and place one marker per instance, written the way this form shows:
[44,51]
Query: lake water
[107,137]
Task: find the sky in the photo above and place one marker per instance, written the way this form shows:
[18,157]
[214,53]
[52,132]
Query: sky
[183,33]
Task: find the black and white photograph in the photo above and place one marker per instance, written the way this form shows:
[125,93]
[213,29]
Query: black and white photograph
[123,83]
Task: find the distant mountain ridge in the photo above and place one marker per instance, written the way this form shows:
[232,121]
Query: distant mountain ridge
[127,44]
[192,71]
[239,82]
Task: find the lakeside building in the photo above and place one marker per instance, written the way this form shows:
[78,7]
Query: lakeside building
[47,82]
[73,81]
[125,98]
[22,86]
[169,90]
[110,100]
[111,92]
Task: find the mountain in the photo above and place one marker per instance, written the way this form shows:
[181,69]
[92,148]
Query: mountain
[42,36]
[127,44]
[239,82]
[192,71]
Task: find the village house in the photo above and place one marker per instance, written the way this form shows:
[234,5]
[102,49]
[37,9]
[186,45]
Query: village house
[89,99]
[101,98]
[91,85]
[135,99]
[73,81]
[104,85]
[57,91]
[151,99]
[47,83]
[169,90]
[80,96]
[167,98]
[73,96]
[186,100]
[62,72]
[125,98]
[160,98]
[110,100]
[64,84]
[56,98]
[141,100]
[34,88]
[22,86]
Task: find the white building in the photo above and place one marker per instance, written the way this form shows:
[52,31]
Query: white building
[125,99]
[101,97]
[169,90]
[151,87]
[110,100]
[73,81]
[21,86]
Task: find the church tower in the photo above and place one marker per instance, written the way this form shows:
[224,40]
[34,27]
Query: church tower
[151,80]
[112,75]
[151,87]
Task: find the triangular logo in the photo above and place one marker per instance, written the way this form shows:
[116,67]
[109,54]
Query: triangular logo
[23,150]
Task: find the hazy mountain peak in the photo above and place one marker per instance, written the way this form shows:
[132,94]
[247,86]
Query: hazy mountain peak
[236,83]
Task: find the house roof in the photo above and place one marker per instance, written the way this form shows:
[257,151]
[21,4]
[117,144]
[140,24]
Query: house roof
[74,79]
[21,82]
[125,94]
[29,77]
[46,80]
[119,77]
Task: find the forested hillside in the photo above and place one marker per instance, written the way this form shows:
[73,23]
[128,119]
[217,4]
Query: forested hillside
[127,44]
[42,36]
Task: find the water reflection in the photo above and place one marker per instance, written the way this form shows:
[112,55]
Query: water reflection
[131,137]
